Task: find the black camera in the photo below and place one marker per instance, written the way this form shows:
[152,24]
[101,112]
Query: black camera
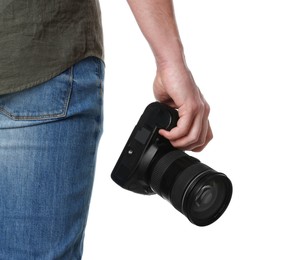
[149,164]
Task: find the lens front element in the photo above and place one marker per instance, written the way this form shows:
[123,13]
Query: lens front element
[208,199]
[205,198]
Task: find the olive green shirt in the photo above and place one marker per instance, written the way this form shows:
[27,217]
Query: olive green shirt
[39,39]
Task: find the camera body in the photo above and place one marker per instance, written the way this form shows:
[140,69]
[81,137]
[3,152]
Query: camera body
[130,172]
[149,164]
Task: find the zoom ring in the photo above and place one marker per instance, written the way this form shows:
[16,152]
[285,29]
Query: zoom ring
[161,166]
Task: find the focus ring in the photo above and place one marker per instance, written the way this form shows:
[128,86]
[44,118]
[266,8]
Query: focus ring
[161,166]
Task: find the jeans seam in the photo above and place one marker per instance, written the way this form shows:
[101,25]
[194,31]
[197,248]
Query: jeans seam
[101,76]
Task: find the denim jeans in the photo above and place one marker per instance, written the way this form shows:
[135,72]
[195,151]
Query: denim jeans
[48,142]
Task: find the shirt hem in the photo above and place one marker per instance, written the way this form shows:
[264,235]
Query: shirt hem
[14,89]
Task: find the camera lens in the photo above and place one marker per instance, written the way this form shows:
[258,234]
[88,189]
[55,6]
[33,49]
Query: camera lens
[199,192]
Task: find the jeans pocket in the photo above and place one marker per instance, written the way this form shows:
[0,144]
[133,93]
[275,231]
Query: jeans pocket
[45,101]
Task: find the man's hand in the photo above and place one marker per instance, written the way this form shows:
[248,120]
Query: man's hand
[176,87]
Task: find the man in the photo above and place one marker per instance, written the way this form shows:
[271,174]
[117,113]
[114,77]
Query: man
[51,87]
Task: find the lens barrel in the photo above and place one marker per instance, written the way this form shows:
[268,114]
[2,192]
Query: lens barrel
[196,190]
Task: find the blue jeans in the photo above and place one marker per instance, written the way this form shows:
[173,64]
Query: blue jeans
[48,142]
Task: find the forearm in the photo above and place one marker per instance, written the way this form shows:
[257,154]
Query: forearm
[156,20]
[173,84]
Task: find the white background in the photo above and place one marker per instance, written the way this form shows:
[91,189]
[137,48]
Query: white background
[244,57]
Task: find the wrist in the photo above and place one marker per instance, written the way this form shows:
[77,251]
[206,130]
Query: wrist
[173,66]
[170,56]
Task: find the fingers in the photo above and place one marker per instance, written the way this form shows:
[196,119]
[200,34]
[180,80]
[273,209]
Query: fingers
[193,131]
[208,138]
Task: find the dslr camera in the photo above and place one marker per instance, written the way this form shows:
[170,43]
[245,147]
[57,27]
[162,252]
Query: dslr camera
[149,164]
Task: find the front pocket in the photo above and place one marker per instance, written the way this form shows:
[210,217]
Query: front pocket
[46,101]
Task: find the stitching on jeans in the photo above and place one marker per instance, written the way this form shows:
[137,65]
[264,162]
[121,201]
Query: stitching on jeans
[47,116]
[101,76]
